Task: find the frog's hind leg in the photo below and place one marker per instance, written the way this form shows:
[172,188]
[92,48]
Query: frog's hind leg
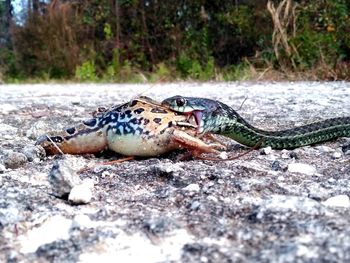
[193,144]
[84,141]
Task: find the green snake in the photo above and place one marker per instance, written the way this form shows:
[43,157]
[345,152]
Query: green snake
[216,117]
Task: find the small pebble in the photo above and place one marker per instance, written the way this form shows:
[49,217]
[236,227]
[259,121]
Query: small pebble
[38,129]
[54,229]
[346,149]
[212,198]
[223,155]
[336,155]
[82,221]
[10,215]
[62,178]
[7,108]
[281,178]
[14,160]
[82,193]
[2,168]
[192,188]
[301,168]
[332,180]
[276,166]
[293,155]
[285,154]
[34,152]
[195,205]
[338,201]
[324,149]
[266,150]
[165,169]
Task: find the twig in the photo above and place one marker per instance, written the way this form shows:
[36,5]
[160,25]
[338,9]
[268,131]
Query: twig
[106,163]
[240,107]
[58,148]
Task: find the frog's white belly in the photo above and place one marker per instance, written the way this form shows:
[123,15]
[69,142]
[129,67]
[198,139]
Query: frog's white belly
[140,145]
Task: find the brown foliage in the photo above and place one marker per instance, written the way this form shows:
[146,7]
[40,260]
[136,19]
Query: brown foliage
[53,46]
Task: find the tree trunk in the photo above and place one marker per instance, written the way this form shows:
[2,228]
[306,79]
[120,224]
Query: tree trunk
[35,6]
[7,18]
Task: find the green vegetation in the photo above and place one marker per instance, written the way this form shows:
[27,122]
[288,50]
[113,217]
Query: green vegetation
[141,40]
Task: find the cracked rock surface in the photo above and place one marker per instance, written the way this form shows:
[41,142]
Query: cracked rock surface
[267,206]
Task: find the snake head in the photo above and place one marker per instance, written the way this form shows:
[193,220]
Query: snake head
[200,108]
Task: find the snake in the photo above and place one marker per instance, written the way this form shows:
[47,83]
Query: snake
[213,116]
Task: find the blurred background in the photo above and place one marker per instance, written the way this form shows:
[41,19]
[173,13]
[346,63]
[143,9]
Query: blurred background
[153,40]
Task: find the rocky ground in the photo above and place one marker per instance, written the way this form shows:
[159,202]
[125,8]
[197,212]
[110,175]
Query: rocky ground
[268,206]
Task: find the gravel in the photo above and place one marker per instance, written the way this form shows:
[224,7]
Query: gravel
[267,206]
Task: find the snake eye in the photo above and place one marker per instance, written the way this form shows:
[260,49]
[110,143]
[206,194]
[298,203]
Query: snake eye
[180,102]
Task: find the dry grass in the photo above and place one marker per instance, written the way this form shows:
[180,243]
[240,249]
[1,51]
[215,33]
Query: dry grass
[284,18]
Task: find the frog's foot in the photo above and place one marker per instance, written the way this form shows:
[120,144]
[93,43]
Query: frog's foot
[217,144]
[193,144]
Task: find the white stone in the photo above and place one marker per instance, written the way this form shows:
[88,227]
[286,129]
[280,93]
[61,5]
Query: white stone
[81,194]
[169,168]
[55,228]
[2,168]
[212,198]
[7,108]
[9,215]
[285,154]
[89,183]
[301,168]
[137,247]
[82,221]
[282,203]
[324,149]
[36,130]
[63,178]
[223,155]
[336,155]
[338,201]
[192,188]
[302,250]
[267,150]
[281,178]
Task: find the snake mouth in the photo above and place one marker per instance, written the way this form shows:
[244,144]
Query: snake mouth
[197,115]
[194,119]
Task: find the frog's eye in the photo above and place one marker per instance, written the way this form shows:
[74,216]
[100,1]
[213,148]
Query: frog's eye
[180,102]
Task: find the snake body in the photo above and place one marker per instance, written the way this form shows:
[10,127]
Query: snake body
[216,117]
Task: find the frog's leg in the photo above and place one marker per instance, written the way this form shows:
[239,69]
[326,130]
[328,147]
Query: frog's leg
[79,142]
[193,144]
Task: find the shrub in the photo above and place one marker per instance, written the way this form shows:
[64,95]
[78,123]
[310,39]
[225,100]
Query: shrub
[86,72]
